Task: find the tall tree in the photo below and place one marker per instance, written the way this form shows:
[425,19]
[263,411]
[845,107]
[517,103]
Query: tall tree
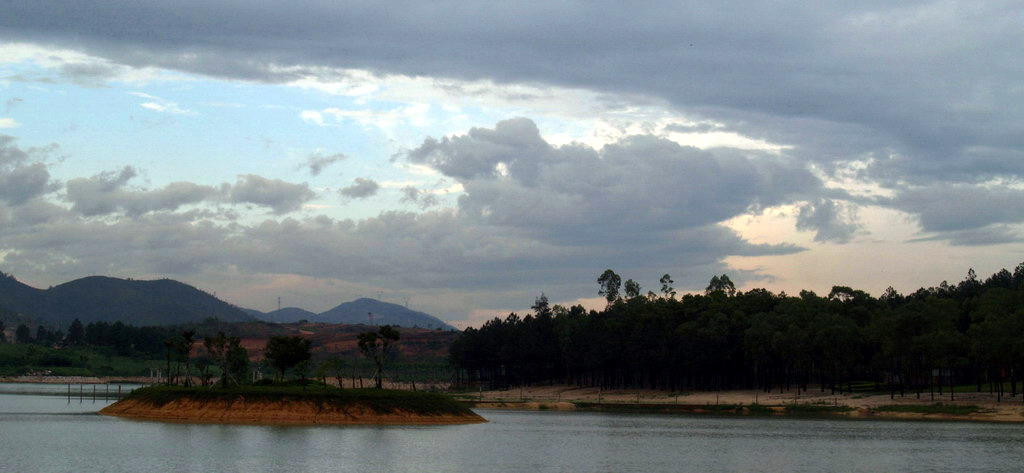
[666,287]
[227,353]
[185,344]
[609,284]
[632,289]
[378,346]
[76,333]
[721,284]
[22,334]
[284,353]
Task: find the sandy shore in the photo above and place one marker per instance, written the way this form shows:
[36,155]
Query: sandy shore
[1010,409]
[293,412]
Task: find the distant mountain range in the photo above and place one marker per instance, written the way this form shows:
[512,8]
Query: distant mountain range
[357,312]
[170,302]
[106,299]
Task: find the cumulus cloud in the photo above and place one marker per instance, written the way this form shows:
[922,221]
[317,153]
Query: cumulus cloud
[512,176]
[9,123]
[106,193]
[282,197]
[317,162]
[23,172]
[361,188]
[412,195]
[832,221]
[543,218]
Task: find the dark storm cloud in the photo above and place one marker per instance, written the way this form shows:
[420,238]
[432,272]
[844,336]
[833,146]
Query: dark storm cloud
[361,188]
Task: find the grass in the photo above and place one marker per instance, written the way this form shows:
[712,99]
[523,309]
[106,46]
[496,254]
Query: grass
[759,409]
[381,401]
[20,358]
[939,408]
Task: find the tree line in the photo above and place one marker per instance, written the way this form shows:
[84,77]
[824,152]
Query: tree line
[971,332]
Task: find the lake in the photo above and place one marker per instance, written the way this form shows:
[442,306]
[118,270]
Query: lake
[40,433]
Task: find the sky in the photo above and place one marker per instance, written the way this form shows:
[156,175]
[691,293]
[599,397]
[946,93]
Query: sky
[465,157]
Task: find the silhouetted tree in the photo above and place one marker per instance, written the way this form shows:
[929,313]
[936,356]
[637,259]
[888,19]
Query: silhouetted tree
[666,287]
[76,333]
[609,284]
[932,338]
[22,334]
[632,289]
[284,353]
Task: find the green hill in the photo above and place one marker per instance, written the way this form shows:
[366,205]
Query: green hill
[100,298]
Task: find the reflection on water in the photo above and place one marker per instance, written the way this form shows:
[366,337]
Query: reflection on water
[45,434]
[75,390]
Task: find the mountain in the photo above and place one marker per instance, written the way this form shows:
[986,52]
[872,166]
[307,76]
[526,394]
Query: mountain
[100,298]
[283,315]
[256,314]
[384,313]
[16,296]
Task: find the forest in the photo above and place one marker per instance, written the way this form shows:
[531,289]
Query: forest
[969,333]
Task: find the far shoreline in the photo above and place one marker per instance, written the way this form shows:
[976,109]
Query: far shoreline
[807,404]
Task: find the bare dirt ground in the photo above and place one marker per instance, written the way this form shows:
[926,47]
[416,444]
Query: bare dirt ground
[242,411]
[1009,409]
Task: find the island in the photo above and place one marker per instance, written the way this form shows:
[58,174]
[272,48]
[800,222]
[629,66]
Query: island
[291,405]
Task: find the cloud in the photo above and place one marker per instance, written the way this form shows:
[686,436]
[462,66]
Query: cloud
[9,123]
[105,193]
[832,221]
[412,195]
[108,192]
[360,189]
[24,175]
[917,93]
[317,162]
[958,207]
[882,71]
[640,187]
[984,236]
[282,197]
[546,218]
[161,105]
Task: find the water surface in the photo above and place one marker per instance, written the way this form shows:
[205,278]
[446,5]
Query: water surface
[49,434]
